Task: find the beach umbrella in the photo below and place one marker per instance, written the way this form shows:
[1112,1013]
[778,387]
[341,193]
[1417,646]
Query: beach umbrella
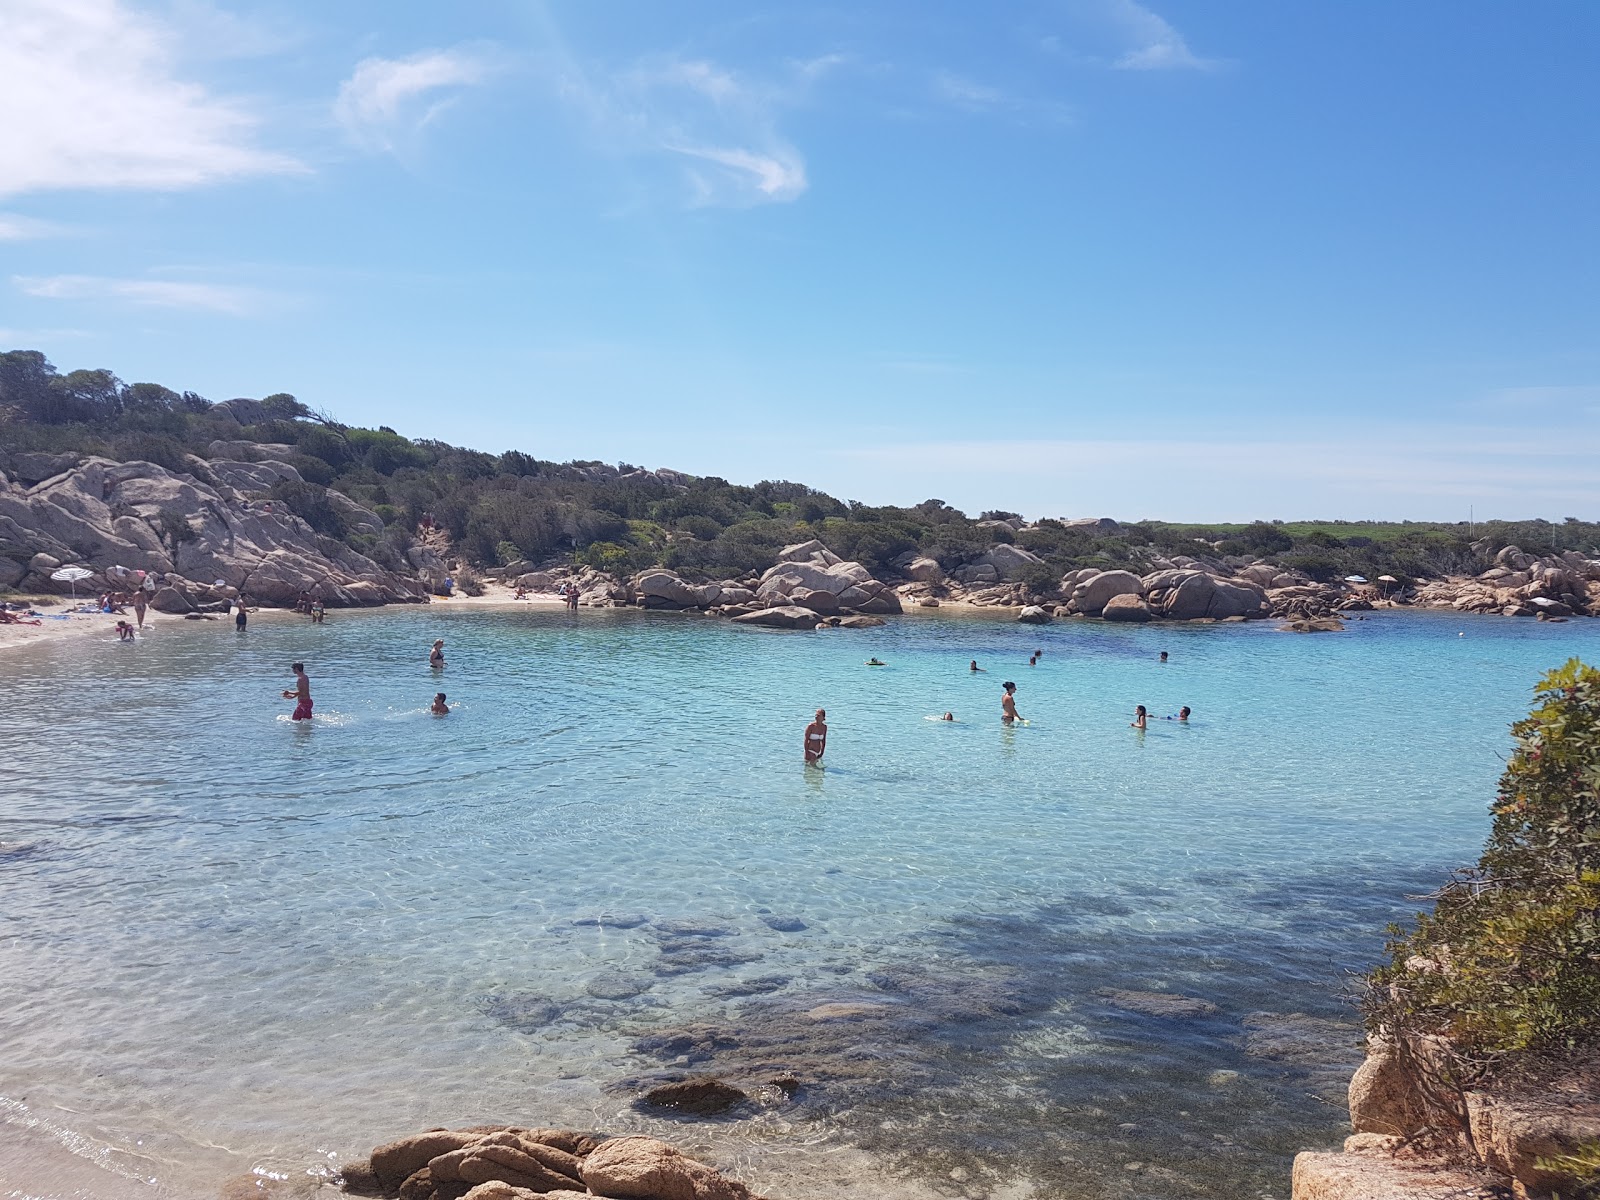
[1387,579]
[71,575]
[1355,578]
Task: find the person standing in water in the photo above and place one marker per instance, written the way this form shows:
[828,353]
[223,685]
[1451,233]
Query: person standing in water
[1141,719]
[1008,703]
[240,616]
[816,740]
[975,667]
[1163,657]
[139,607]
[436,655]
[301,694]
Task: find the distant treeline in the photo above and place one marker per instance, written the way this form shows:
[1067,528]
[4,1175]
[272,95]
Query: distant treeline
[501,508]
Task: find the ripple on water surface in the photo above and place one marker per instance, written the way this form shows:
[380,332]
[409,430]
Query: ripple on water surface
[232,941]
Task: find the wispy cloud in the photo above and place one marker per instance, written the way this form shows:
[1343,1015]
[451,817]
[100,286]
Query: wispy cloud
[90,98]
[721,126]
[386,97]
[968,95]
[16,228]
[146,293]
[1156,45]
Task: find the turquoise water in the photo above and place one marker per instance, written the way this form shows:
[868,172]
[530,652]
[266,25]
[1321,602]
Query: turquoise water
[227,941]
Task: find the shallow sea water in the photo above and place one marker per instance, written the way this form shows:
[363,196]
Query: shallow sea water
[229,943]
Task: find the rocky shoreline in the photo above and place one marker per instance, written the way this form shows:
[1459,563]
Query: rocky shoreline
[213,531]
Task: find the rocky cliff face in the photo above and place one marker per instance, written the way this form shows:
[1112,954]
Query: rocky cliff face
[1417,1136]
[203,534]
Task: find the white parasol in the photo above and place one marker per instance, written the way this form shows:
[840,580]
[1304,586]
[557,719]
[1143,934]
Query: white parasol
[1355,578]
[71,575]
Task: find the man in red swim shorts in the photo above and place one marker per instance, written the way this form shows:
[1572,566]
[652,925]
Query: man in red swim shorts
[301,693]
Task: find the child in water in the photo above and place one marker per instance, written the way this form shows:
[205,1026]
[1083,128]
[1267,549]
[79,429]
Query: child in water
[1141,719]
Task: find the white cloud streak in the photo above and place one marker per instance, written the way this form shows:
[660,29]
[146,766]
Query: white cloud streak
[387,96]
[145,293]
[16,228]
[720,125]
[1157,46]
[89,98]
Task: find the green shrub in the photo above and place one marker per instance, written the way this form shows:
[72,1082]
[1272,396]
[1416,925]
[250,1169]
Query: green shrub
[1507,966]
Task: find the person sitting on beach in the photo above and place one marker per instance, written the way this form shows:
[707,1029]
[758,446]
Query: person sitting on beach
[1140,718]
[440,708]
[6,618]
[816,740]
[975,667]
[1008,703]
[301,694]
[876,662]
[436,655]
[522,593]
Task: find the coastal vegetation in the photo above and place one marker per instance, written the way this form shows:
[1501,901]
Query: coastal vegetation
[515,507]
[1507,966]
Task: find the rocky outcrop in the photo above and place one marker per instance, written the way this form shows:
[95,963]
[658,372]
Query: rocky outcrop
[1417,1136]
[808,572]
[1127,607]
[1033,614]
[1189,594]
[1001,562]
[1091,594]
[509,1162]
[204,540]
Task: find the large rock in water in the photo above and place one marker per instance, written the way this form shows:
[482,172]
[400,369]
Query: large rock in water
[1032,614]
[642,1168]
[1091,595]
[104,514]
[1126,607]
[783,616]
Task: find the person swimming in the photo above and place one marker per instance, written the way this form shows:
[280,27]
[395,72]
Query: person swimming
[1163,657]
[816,739]
[1141,719]
[440,708]
[975,667]
[1008,703]
[874,662]
[949,716]
[1181,715]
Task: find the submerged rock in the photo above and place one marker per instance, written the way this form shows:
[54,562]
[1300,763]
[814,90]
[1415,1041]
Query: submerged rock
[705,1096]
[1158,1004]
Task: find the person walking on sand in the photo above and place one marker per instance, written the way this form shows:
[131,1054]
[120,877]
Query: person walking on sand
[436,655]
[1141,719]
[301,694]
[1008,703]
[139,607]
[816,741]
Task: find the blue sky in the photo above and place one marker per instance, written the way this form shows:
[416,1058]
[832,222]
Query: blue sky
[1073,257]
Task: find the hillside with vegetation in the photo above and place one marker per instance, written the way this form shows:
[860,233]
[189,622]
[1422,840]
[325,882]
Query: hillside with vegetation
[515,507]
